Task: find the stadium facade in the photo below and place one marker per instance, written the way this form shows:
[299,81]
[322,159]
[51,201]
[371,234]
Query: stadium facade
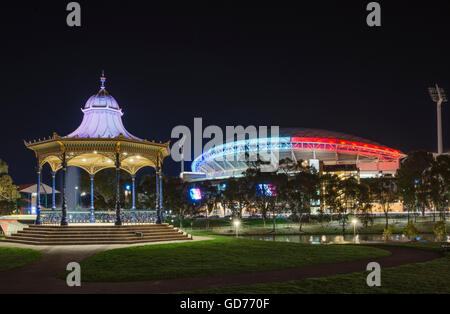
[327,151]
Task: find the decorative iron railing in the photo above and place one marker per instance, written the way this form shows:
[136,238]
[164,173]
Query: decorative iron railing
[127,217]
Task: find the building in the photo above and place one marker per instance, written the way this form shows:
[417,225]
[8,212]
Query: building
[328,152]
[325,150]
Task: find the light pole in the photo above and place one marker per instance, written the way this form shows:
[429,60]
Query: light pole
[437,94]
[354,222]
[236,226]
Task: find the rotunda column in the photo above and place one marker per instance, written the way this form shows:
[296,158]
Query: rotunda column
[118,220]
[64,203]
[91,176]
[133,197]
[38,195]
[161,207]
[53,190]
[158,210]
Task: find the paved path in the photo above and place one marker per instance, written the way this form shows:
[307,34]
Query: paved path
[41,276]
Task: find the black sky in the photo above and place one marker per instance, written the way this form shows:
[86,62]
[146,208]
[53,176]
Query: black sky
[299,65]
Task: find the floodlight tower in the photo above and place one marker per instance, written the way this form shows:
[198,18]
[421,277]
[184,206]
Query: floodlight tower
[438,96]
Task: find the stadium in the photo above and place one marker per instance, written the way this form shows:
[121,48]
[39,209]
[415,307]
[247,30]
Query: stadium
[327,151]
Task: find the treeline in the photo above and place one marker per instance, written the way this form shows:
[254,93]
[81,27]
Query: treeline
[422,182]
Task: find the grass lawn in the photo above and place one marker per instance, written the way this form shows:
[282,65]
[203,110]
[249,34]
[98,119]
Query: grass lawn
[11,257]
[223,255]
[428,277]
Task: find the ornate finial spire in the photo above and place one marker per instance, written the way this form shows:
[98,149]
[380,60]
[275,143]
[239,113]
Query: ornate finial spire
[103,79]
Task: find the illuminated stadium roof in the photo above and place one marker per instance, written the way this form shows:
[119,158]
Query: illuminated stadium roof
[332,148]
[319,133]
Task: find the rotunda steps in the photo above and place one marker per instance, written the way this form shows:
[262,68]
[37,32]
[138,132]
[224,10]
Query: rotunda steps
[79,235]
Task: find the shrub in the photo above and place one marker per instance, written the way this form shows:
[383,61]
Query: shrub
[410,230]
[387,233]
[440,229]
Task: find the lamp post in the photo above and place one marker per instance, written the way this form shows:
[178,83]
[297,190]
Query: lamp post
[236,226]
[354,222]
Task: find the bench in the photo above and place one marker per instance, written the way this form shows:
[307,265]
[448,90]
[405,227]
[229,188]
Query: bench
[445,246]
[139,234]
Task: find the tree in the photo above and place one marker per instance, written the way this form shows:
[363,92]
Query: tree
[237,195]
[348,190]
[147,191]
[177,198]
[261,193]
[212,197]
[105,187]
[330,196]
[8,191]
[364,203]
[437,181]
[383,190]
[302,190]
[409,179]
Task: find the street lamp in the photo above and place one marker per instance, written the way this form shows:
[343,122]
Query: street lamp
[236,226]
[354,222]
[437,94]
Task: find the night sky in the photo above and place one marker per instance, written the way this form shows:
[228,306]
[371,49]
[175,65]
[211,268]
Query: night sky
[300,65]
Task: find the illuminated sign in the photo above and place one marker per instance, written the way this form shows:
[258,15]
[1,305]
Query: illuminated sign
[195,194]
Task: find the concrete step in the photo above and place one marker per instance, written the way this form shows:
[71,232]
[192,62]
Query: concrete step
[113,228]
[48,232]
[99,242]
[95,234]
[99,226]
[90,235]
[93,239]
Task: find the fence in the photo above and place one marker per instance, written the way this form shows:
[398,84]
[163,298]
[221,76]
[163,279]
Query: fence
[126,216]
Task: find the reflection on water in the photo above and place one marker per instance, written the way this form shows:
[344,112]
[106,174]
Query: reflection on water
[338,239]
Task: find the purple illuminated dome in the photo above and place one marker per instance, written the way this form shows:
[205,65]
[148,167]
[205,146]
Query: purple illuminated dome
[102,117]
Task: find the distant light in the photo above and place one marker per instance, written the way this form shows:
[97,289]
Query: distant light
[195,194]
[83,193]
[127,187]
[131,159]
[236,223]
[76,188]
[416,181]
[354,221]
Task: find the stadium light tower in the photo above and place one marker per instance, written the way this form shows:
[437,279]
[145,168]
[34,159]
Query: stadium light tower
[438,96]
